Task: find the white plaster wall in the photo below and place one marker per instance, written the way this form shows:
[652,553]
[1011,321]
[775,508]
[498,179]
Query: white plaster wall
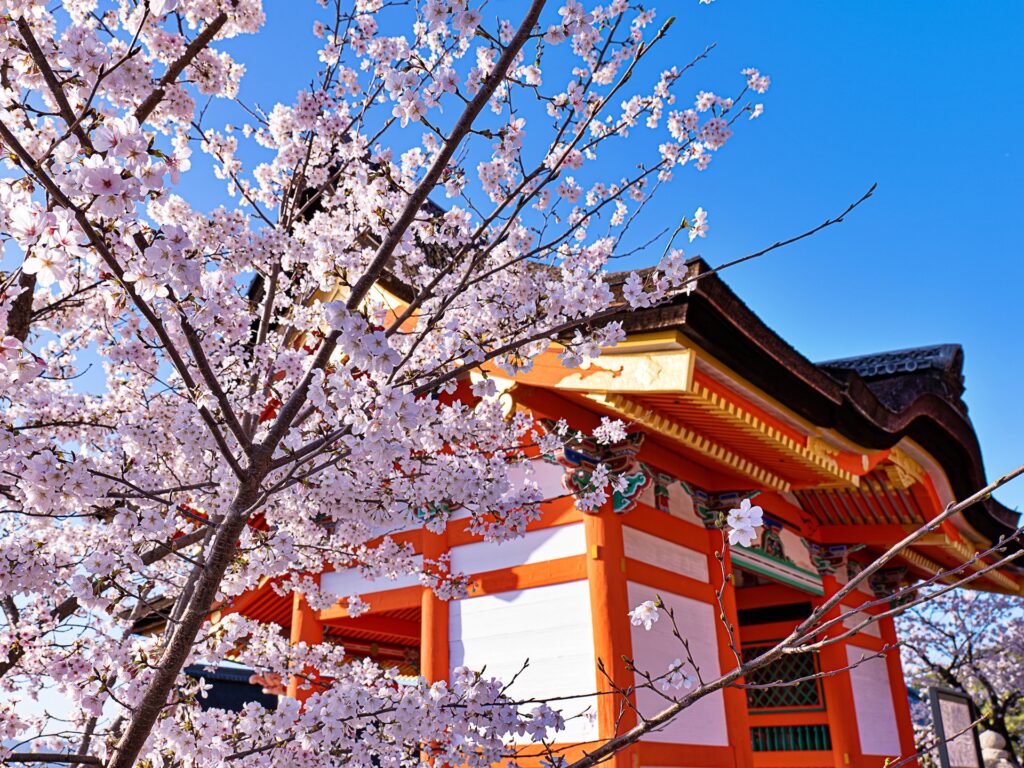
[350,581]
[872,701]
[647,495]
[550,626]
[642,546]
[853,618]
[864,587]
[655,649]
[547,476]
[533,547]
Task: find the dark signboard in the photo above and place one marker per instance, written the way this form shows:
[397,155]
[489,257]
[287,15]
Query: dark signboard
[952,717]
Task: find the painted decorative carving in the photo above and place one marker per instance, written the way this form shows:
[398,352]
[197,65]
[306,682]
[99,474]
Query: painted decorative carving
[832,559]
[661,492]
[771,541]
[853,569]
[768,557]
[901,470]
[434,510]
[888,581]
[580,455]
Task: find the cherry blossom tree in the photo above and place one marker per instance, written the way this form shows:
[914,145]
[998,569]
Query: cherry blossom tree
[275,380]
[264,405]
[974,642]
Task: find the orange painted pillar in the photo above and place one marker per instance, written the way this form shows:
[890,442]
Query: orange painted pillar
[305,628]
[609,606]
[842,717]
[736,713]
[900,702]
[433,617]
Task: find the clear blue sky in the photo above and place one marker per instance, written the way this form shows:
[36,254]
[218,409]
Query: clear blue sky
[922,97]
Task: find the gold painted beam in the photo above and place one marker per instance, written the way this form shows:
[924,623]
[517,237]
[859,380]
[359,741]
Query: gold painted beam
[654,341]
[902,470]
[632,372]
[666,371]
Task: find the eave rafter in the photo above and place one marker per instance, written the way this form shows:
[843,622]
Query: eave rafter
[961,553]
[749,423]
[965,553]
[930,567]
[629,409]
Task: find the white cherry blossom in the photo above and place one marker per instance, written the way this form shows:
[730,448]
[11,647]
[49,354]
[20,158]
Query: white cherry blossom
[743,523]
[645,614]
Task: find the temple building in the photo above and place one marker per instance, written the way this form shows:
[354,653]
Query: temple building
[845,458]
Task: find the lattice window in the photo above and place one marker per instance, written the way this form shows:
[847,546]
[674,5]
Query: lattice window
[791,738]
[805,694]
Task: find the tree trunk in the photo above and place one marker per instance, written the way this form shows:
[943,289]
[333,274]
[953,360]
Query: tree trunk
[221,553]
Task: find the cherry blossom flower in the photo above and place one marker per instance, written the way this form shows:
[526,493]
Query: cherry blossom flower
[743,523]
[48,267]
[756,81]
[646,614]
[17,365]
[676,679]
[162,7]
[610,431]
[356,606]
[699,226]
[100,177]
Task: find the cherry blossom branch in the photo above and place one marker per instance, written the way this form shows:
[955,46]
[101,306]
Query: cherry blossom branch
[398,229]
[934,742]
[782,243]
[900,607]
[101,248]
[52,757]
[523,200]
[183,635]
[894,551]
[56,89]
[69,606]
[193,49]
[459,132]
[251,419]
[19,318]
[554,332]
[210,377]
